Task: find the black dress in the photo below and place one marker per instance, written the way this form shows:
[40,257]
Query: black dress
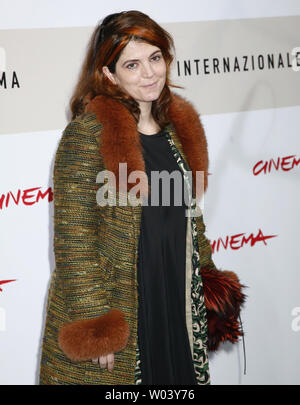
[162,333]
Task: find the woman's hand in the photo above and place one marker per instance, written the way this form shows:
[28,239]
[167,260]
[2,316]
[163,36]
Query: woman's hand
[105,361]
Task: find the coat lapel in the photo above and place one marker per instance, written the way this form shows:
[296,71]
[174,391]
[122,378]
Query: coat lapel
[120,140]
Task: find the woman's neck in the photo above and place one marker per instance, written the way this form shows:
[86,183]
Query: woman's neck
[147,125]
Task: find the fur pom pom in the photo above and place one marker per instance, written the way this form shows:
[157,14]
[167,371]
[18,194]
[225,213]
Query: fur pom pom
[223,299]
[90,338]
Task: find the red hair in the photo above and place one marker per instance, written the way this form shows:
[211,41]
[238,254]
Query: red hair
[106,44]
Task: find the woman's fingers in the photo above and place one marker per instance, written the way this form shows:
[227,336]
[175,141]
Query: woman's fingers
[110,361]
[105,361]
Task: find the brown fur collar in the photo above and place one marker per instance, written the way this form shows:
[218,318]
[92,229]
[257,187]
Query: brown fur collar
[120,140]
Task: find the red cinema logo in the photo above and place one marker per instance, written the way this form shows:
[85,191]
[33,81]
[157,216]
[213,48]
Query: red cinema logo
[236,242]
[5,282]
[29,196]
[286,164]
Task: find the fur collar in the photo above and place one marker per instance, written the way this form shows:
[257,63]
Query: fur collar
[120,140]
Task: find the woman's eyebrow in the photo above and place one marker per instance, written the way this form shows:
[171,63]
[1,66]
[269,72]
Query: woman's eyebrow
[136,60]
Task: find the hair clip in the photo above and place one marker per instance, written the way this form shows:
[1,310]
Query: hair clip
[101,29]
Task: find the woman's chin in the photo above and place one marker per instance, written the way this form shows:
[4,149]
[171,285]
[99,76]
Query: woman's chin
[149,97]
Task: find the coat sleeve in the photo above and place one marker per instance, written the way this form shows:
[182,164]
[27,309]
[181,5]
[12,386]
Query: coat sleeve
[94,329]
[223,295]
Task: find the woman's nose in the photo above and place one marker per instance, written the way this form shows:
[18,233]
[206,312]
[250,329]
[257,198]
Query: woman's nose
[147,70]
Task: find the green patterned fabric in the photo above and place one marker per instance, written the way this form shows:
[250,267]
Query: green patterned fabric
[198,305]
[96,252]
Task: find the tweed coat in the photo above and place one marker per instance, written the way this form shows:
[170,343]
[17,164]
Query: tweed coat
[92,300]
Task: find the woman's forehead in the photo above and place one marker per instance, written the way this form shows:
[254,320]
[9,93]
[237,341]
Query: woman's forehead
[136,49]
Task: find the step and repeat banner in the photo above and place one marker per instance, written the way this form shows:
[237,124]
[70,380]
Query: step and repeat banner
[240,67]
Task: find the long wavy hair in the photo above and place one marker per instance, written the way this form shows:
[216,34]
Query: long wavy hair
[104,49]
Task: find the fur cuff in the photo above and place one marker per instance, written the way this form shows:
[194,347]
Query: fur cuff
[223,299]
[91,338]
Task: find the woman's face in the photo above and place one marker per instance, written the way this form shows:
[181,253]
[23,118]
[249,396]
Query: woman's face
[140,71]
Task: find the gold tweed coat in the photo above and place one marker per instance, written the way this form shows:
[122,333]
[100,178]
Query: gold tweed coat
[92,300]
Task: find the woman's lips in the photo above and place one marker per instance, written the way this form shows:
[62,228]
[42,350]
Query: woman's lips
[150,85]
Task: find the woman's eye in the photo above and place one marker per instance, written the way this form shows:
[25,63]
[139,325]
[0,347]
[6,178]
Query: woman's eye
[131,66]
[156,58]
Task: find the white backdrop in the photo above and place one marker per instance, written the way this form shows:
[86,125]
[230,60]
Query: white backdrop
[250,117]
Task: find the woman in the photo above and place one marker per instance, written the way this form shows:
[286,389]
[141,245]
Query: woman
[135,297]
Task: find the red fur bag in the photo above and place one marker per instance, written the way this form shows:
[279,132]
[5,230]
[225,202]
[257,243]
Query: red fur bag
[223,299]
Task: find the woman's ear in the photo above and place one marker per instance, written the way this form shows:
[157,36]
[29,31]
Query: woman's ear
[108,74]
